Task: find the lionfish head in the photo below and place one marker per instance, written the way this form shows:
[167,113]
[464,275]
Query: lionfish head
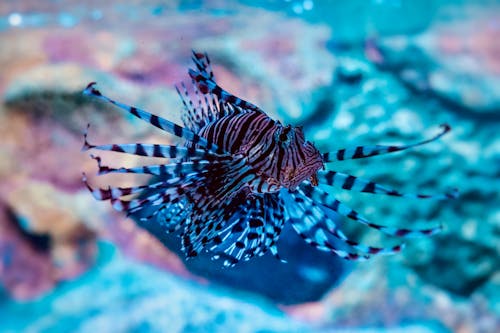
[301,160]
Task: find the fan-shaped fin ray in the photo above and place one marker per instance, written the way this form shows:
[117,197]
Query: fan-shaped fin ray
[352,183]
[327,200]
[369,151]
[156,121]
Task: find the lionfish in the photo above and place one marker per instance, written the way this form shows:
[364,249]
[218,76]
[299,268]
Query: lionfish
[241,176]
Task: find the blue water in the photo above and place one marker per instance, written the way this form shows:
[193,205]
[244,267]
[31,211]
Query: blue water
[357,72]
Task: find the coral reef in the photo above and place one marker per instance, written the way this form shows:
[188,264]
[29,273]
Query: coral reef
[145,300]
[375,82]
[384,293]
[48,234]
[456,62]
[369,105]
[42,197]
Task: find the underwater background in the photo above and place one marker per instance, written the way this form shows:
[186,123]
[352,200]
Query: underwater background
[351,72]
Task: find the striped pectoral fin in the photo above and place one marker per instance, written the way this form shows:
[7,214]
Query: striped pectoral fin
[308,227]
[154,120]
[156,170]
[196,236]
[97,193]
[369,151]
[86,145]
[167,170]
[227,235]
[227,179]
[264,222]
[109,193]
[243,248]
[151,150]
[155,150]
[208,86]
[316,216]
[210,228]
[332,203]
[223,234]
[257,226]
[236,251]
[170,217]
[320,241]
[240,238]
[274,222]
[118,192]
[155,200]
[247,228]
[352,183]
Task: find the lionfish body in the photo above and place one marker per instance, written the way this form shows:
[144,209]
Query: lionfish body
[241,176]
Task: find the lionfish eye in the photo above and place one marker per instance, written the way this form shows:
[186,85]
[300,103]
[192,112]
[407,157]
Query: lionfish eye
[282,137]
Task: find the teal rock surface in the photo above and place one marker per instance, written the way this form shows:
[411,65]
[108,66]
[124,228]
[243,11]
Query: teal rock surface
[119,295]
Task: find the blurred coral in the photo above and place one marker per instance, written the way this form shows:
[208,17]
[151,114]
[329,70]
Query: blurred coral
[348,75]
[41,209]
[26,270]
[457,61]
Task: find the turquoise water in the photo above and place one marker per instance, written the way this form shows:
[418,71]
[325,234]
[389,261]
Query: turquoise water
[352,73]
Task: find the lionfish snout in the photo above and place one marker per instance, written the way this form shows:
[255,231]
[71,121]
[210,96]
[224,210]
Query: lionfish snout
[301,173]
[316,165]
[314,179]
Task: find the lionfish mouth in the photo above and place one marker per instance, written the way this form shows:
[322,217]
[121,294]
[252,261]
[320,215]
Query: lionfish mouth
[308,172]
